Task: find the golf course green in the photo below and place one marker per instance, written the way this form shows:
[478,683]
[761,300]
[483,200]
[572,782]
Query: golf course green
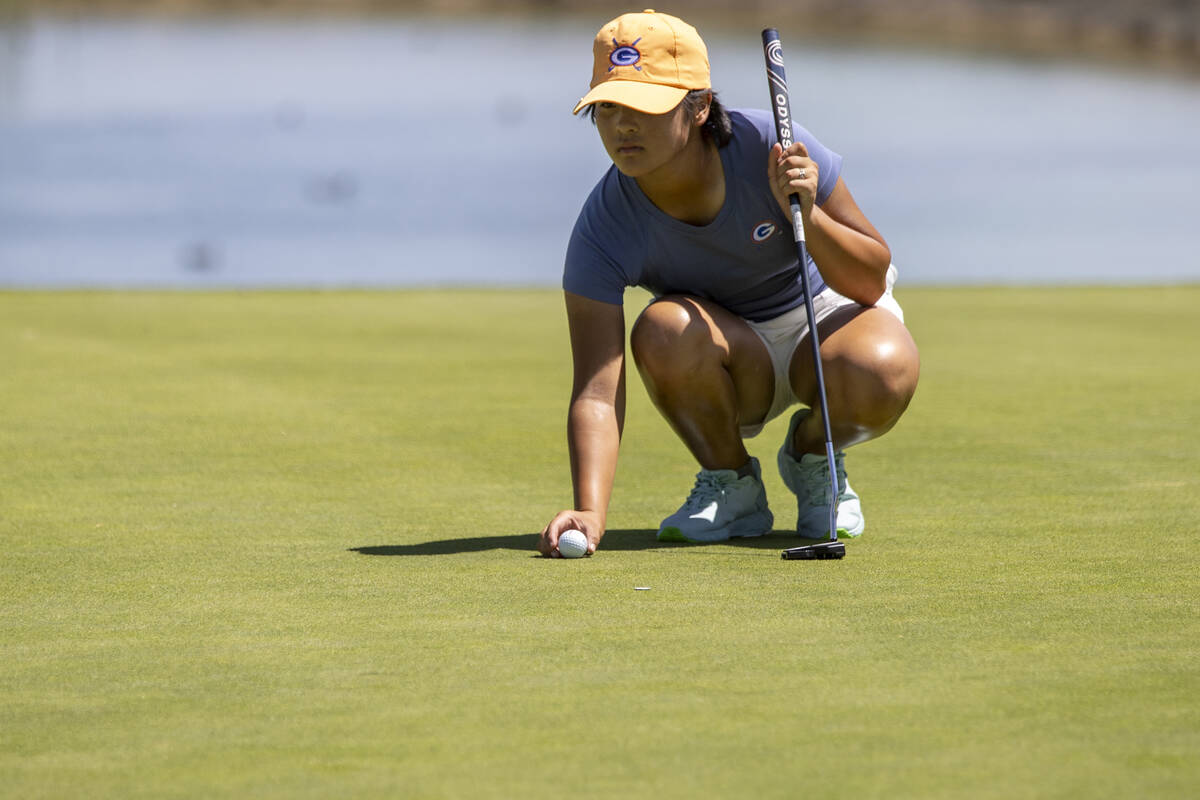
[282,544]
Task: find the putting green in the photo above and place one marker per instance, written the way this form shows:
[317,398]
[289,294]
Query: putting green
[281,544]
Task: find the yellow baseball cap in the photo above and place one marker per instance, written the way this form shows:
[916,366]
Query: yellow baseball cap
[647,61]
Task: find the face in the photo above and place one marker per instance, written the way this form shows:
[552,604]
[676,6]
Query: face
[640,143]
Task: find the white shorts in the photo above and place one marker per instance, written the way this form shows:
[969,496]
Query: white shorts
[783,334]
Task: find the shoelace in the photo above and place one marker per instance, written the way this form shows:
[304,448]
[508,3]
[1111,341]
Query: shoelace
[708,487]
[818,488]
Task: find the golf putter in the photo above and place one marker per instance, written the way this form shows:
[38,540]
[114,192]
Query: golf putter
[781,106]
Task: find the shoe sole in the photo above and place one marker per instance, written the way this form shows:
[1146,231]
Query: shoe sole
[745,528]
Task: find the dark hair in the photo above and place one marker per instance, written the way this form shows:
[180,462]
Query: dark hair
[717,128]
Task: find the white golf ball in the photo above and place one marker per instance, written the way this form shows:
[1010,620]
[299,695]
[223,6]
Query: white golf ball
[572,544]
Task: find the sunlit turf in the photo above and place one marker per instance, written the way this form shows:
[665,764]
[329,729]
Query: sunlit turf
[281,544]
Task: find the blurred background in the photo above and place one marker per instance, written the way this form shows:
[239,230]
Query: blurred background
[372,143]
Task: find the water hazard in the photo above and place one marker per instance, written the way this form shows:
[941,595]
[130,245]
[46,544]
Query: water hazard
[425,152]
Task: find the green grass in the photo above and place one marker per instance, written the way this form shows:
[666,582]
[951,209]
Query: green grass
[281,545]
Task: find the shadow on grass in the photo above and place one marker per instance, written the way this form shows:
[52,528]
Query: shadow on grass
[615,540]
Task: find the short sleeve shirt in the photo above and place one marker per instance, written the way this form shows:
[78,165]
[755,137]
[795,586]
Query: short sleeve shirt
[744,260]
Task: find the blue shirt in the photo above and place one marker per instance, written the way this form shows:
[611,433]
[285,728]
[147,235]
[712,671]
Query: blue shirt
[744,260]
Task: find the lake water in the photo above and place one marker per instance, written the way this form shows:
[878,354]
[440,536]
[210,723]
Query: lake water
[430,152]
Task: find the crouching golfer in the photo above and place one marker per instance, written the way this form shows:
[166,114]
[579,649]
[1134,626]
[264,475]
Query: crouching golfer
[695,210]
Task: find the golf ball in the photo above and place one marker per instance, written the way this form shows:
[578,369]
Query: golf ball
[572,544]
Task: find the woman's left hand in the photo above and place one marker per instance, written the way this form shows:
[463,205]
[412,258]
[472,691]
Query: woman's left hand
[790,172]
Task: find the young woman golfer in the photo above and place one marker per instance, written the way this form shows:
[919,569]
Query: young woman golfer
[695,210]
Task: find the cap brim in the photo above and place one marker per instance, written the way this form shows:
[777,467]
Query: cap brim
[649,98]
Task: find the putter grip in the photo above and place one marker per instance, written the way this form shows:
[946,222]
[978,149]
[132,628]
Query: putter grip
[781,106]
[777,81]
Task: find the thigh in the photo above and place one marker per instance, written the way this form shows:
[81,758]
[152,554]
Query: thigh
[866,352]
[696,332]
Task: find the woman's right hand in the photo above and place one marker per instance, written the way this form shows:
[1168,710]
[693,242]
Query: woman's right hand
[587,521]
[791,172]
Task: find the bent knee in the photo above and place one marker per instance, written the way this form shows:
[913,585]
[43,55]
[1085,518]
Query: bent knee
[662,328]
[877,382]
[897,368]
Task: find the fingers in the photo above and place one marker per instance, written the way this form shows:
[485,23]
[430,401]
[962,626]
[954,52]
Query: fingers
[796,149]
[548,541]
[583,521]
[795,169]
[790,172]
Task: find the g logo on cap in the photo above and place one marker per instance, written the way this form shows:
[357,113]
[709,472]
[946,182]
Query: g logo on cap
[625,55]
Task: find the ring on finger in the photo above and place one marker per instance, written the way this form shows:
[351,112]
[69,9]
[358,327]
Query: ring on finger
[803,174]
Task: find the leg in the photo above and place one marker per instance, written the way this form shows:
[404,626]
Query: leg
[871,368]
[871,365]
[707,372]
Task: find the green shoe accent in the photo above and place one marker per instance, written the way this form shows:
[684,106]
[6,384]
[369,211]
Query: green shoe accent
[672,535]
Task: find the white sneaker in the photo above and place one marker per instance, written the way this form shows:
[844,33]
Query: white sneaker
[721,506]
[808,478]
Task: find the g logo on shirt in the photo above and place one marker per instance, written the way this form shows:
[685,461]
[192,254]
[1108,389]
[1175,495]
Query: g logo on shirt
[763,231]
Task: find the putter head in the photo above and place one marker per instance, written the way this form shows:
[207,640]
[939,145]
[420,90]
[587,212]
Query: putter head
[808,552]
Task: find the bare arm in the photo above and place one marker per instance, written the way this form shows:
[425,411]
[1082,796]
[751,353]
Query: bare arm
[852,256]
[595,418]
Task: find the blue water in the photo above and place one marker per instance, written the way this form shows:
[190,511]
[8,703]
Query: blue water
[425,152]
